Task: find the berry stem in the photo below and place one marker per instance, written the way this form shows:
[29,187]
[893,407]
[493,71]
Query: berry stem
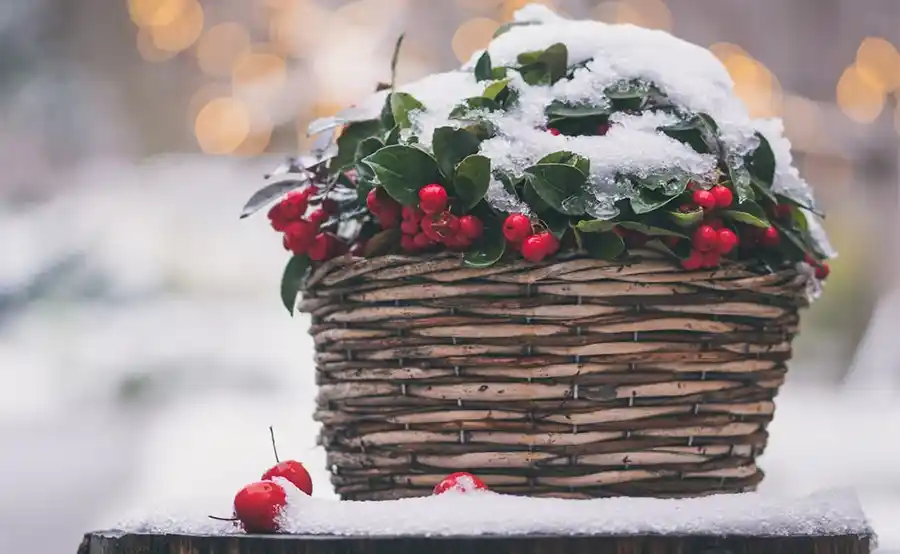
[274,448]
[223,518]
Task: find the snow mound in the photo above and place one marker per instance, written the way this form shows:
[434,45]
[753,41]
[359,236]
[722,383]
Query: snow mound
[486,513]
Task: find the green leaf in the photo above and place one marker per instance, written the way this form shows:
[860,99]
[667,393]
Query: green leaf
[363,186]
[536,74]
[668,184]
[464,109]
[649,229]
[350,140]
[604,245]
[557,223]
[387,114]
[741,182]
[794,248]
[403,170]
[695,132]
[556,59]
[483,68]
[451,146]
[559,109]
[628,95]
[595,226]
[648,200]
[487,251]
[556,184]
[393,136]
[761,162]
[473,176]
[401,106]
[368,147]
[494,90]
[568,158]
[685,219]
[531,197]
[762,190]
[270,192]
[749,213]
[498,73]
[293,280]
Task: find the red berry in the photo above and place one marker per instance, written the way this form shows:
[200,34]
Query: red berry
[782,211]
[516,228]
[715,223]
[810,260]
[422,241]
[373,201]
[460,482]
[534,248]
[471,227]
[318,217]
[409,227]
[258,506]
[710,259]
[439,227]
[722,195]
[320,248]
[429,230]
[433,198]
[551,243]
[408,243]
[770,237]
[705,238]
[294,472]
[704,199]
[411,213]
[727,240]
[553,131]
[298,236]
[602,129]
[822,271]
[389,217]
[458,243]
[694,261]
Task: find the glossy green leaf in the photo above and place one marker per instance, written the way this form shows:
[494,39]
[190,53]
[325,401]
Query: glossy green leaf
[605,245]
[473,176]
[293,280]
[650,230]
[493,90]
[749,213]
[685,219]
[401,106]
[350,139]
[451,146]
[403,170]
[556,184]
[761,162]
[558,109]
[568,158]
[483,69]
[469,105]
[487,251]
[646,201]
[595,226]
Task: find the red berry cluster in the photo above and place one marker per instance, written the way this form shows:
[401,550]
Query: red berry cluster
[534,246]
[429,225]
[711,240]
[302,233]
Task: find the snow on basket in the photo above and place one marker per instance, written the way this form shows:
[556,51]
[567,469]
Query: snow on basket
[572,267]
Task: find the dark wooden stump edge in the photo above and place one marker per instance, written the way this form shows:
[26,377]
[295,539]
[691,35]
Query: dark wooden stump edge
[116,543]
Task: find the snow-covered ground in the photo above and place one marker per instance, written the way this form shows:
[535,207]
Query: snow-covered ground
[144,352]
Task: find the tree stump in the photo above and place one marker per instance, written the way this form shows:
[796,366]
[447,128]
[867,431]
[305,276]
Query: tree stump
[119,543]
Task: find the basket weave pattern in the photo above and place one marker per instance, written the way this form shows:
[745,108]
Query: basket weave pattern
[572,378]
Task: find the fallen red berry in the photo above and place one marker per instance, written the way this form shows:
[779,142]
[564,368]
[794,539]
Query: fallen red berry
[694,261]
[461,482]
[770,237]
[726,241]
[723,196]
[704,199]
[471,227]
[534,248]
[553,131]
[705,238]
[823,271]
[298,236]
[294,472]
[433,198]
[516,228]
[258,506]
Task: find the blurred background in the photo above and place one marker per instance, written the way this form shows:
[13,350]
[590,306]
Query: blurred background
[143,346]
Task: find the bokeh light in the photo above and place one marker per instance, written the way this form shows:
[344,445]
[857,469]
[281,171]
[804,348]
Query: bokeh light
[220,46]
[877,60]
[222,125]
[155,13]
[479,5]
[180,33]
[148,50]
[652,14]
[471,36]
[259,68]
[859,96]
[754,83]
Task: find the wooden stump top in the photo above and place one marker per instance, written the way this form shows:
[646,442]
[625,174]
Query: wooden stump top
[128,543]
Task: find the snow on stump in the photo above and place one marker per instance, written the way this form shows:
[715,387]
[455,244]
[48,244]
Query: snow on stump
[595,284]
[489,523]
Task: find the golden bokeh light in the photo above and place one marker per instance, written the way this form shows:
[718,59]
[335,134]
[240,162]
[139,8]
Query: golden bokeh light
[254,68]
[297,27]
[181,32]
[203,95]
[725,50]
[155,13]
[148,50]
[859,97]
[220,46]
[471,36]
[878,60]
[222,125]
[255,143]
[652,14]
[754,84]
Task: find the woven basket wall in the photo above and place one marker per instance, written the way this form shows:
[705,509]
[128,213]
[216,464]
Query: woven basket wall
[574,378]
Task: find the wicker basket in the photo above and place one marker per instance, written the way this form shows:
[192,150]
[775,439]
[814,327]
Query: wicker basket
[573,378]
